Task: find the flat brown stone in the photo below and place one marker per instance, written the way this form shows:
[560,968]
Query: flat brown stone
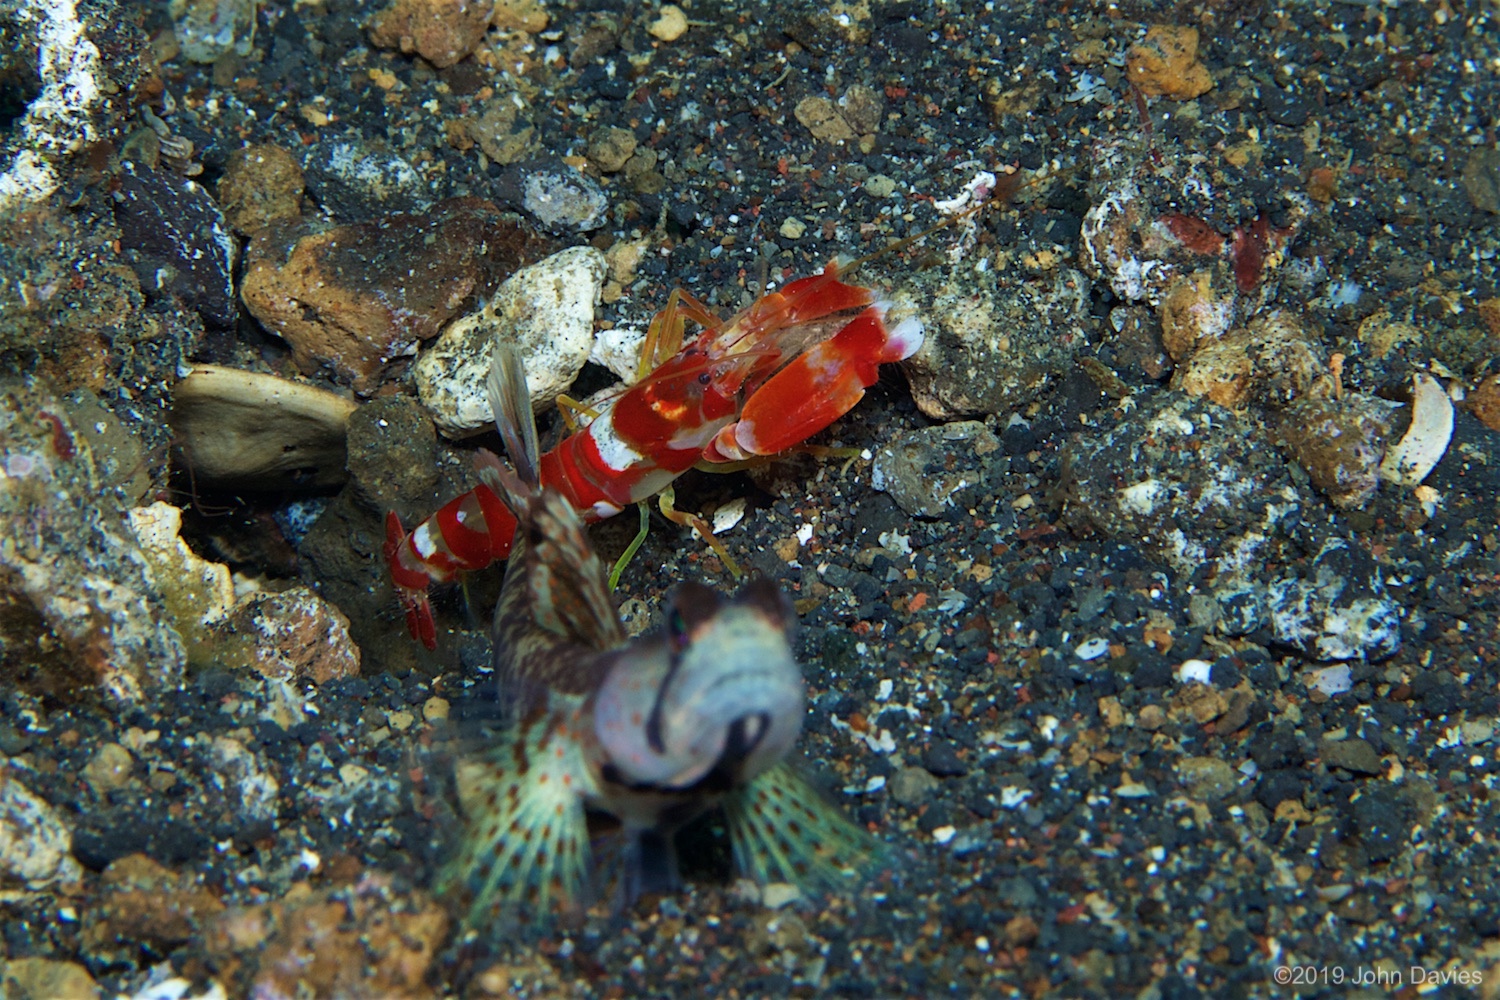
[353,298]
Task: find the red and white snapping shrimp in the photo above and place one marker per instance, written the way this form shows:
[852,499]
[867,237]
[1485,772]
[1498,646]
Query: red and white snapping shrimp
[755,384]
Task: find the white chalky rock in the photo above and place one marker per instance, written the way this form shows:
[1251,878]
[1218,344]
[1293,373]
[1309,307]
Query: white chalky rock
[36,847]
[69,88]
[547,310]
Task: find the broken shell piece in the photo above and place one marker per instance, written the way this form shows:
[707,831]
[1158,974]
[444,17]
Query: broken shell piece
[728,515]
[259,431]
[1409,461]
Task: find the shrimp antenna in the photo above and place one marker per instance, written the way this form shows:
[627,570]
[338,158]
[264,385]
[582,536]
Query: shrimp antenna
[510,399]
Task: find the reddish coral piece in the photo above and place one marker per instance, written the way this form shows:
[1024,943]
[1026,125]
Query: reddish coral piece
[1195,234]
[1248,252]
[62,441]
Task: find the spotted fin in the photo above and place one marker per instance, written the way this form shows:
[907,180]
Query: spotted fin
[555,608]
[526,846]
[783,831]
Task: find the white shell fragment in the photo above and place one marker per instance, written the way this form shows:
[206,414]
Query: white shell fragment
[1409,460]
[248,428]
[728,515]
[1195,671]
[547,310]
[1333,680]
[1091,649]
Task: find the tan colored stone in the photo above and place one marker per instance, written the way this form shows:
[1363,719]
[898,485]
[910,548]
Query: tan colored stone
[670,24]
[197,592]
[440,31]
[354,940]
[109,769]
[36,847]
[623,258]
[863,108]
[503,136]
[1484,402]
[1193,311]
[146,903]
[46,979]
[1207,778]
[1489,313]
[1200,703]
[252,429]
[519,15]
[1151,718]
[1165,64]
[1272,361]
[1340,442]
[821,117]
[261,185]
[610,147]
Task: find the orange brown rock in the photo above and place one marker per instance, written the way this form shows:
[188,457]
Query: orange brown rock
[261,185]
[1192,311]
[354,298]
[358,940]
[440,31]
[1484,402]
[1340,443]
[293,635]
[1165,64]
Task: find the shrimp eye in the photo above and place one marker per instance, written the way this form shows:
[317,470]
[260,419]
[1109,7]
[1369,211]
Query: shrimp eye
[705,378]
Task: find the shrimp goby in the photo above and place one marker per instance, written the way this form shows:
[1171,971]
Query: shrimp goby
[661,717]
[650,732]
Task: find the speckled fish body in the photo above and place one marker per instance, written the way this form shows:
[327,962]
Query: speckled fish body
[652,731]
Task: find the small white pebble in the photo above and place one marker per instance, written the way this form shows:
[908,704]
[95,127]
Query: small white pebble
[1092,649]
[943,834]
[1333,680]
[883,691]
[1011,796]
[1194,671]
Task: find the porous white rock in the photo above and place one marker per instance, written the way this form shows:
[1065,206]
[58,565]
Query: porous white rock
[546,310]
[36,847]
[59,119]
